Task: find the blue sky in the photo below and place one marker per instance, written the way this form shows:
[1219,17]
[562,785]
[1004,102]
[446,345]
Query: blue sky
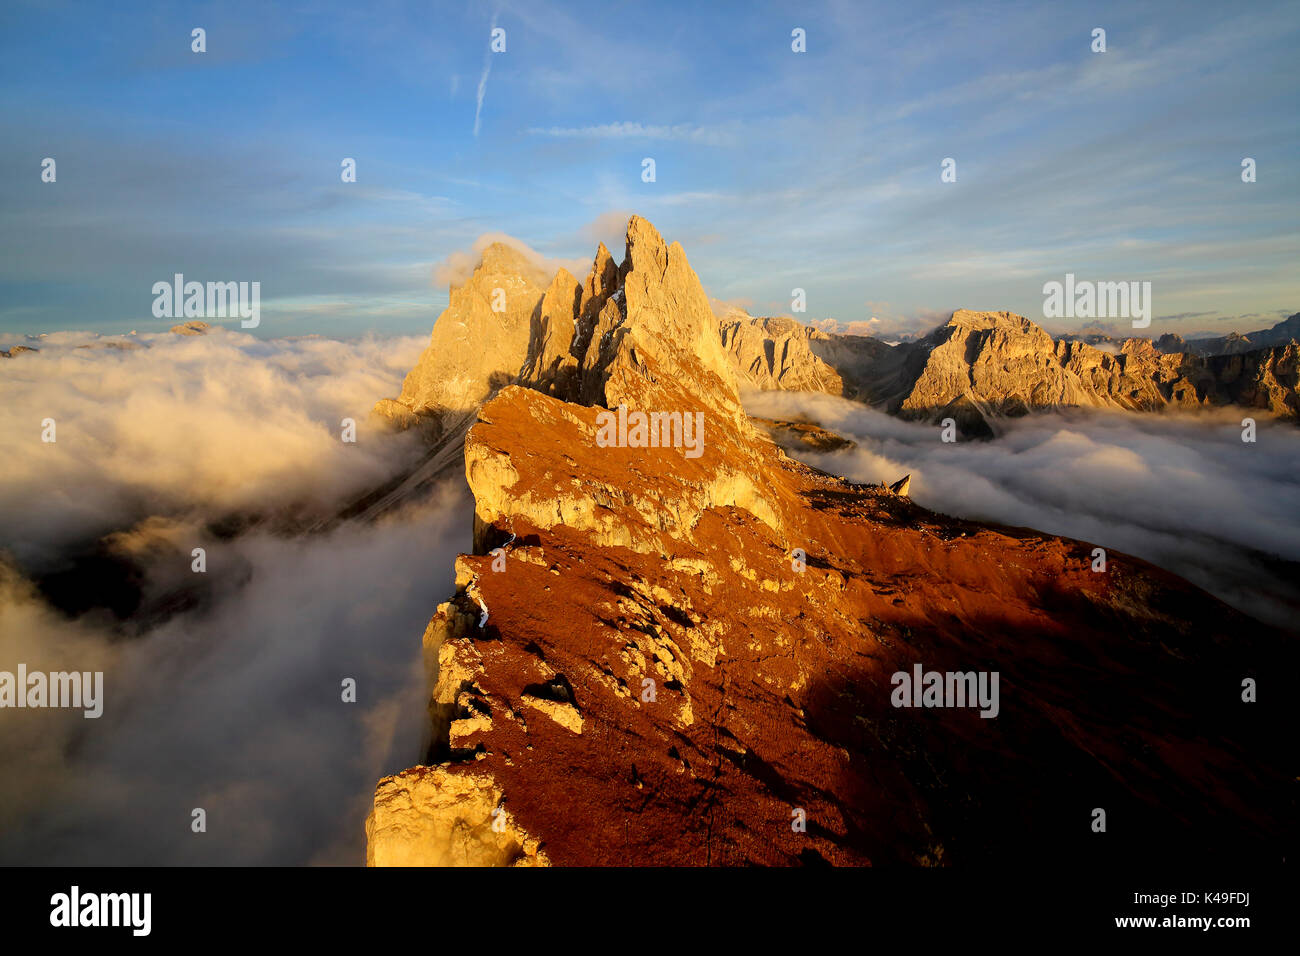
[775,170]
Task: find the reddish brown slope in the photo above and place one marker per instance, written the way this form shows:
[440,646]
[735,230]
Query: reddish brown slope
[773,685]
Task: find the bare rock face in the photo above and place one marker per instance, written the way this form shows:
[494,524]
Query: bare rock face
[478,342]
[661,657]
[193,327]
[428,817]
[774,353]
[994,361]
[551,363]
[1266,379]
[633,334]
[872,370]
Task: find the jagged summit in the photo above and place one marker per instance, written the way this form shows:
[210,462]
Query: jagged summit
[980,366]
[635,333]
[476,345]
[500,257]
[777,353]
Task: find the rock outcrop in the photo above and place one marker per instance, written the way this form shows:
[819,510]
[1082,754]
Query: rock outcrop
[477,345]
[658,657]
[775,353]
[902,486]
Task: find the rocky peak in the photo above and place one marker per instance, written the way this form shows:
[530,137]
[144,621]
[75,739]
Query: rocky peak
[1171,342]
[641,334]
[776,353]
[602,282]
[477,342]
[969,320]
[668,316]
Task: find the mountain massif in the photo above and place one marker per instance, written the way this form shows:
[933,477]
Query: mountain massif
[979,367]
[673,644]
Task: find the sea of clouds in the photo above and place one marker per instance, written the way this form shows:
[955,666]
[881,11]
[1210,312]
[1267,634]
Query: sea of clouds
[233,705]
[1182,491]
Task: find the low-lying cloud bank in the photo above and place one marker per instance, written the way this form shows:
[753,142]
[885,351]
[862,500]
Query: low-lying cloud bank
[233,703]
[1182,491]
[168,424]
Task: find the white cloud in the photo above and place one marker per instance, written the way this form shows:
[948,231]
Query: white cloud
[233,703]
[460,265]
[222,422]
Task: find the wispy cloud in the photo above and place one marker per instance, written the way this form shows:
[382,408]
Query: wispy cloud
[681,132]
[482,81]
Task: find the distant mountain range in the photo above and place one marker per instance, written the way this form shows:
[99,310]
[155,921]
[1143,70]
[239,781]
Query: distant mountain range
[979,367]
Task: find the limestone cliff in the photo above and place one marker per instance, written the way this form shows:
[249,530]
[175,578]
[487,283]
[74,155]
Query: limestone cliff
[477,345]
[775,353]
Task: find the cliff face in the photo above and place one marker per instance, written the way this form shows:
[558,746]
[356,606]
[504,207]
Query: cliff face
[477,344]
[662,657]
[775,353]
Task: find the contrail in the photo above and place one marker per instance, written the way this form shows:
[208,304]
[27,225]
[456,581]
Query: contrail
[482,80]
